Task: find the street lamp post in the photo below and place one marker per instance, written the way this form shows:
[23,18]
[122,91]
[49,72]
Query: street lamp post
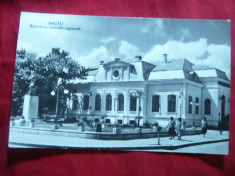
[138,94]
[193,102]
[181,97]
[57,102]
[196,105]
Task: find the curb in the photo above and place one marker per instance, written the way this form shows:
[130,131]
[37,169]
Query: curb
[99,135]
[117,148]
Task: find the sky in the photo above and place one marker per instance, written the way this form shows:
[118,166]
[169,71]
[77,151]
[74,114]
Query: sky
[92,39]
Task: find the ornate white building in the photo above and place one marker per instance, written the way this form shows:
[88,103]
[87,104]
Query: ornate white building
[137,91]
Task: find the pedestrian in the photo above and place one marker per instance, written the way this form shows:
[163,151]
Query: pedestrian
[204,126]
[220,127]
[184,126]
[22,121]
[179,128]
[171,128]
[158,128]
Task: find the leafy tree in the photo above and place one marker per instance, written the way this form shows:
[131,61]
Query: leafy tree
[22,78]
[40,75]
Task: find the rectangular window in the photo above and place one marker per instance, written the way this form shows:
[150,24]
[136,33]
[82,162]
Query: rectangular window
[132,122]
[155,103]
[119,121]
[171,103]
[107,120]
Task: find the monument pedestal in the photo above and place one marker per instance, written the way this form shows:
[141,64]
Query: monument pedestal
[30,108]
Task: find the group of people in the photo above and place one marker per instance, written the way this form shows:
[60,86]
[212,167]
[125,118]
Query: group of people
[176,128]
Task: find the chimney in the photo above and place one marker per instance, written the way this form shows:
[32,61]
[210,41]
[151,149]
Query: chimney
[101,62]
[117,59]
[165,58]
[138,57]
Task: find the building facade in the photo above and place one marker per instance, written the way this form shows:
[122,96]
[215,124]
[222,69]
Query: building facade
[135,91]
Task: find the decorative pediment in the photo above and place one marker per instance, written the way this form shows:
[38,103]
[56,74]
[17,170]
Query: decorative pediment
[116,64]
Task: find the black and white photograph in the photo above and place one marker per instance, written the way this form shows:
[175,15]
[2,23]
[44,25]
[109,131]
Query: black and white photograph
[121,83]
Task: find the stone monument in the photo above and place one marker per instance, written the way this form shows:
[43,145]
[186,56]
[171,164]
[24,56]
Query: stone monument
[30,108]
[31,103]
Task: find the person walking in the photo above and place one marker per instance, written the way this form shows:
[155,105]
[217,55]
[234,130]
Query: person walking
[171,128]
[183,126]
[204,126]
[179,128]
[220,127]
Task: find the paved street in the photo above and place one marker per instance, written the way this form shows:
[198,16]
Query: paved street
[22,140]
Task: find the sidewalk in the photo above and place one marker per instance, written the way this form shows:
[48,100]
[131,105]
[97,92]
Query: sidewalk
[22,140]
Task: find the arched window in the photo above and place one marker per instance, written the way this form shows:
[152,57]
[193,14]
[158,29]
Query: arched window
[133,102]
[171,103]
[75,103]
[86,102]
[108,102]
[197,106]
[155,103]
[120,102]
[97,102]
[190,104]
[207,107]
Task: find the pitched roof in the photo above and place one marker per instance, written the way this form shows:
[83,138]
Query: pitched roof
[221,74]
[201,67]
[217,72]
[176,64]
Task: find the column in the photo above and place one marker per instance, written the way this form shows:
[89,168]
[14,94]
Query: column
[184,101]
[121,73]
[111,73]
[92,102]
[126,102]
[144,110]
[114,97]
[128,73]
[138,105]
[103,103]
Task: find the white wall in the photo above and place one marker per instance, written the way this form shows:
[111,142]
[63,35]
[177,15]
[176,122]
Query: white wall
[182,91]
[163,91]
[211,92]
[115,89]
[181,88]
[194,91]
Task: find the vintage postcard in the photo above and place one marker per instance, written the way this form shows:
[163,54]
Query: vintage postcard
[113,83]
